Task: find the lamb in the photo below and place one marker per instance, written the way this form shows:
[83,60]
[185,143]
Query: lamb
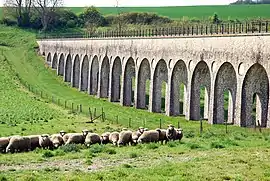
[92,138]
[149,136]
[18,144]
[105,138]
[4,141]
[114,137]
[125,137]
[45,142]
[57,140]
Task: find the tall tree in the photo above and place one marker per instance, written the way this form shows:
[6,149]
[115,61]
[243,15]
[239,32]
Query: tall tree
[19,9]
[47,9]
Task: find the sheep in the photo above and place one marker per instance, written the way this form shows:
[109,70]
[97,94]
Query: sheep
[179,134]
[45,141]
[105,138]
[114,137]
[34,141]
[171,133]
[162,135]
[57,140]
[62,133]
[135,136]
[125,137]
[18,144]
[149,136]
[4,141]
[92,138]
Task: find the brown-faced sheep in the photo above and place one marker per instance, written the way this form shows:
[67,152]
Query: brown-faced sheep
[149,136]
[105,138]
[162,135]
[114,137]
[125,137]
[135,136]
[45,142]
[57,140]
[171,133]
[4,141]
[18,144]
[92,138]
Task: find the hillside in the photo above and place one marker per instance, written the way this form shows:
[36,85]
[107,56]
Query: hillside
[242,154]
[197,12]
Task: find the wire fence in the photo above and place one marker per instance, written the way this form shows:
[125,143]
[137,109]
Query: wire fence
[191,30]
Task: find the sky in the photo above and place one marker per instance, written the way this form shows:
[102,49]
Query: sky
[112,3]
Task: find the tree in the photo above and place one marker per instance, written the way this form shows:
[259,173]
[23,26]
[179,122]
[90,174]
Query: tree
[19,9]
[46,9]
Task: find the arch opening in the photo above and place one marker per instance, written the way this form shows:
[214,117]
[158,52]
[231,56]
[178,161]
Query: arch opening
[160,86]
[54,61]
[129,83]
[85,74]
[49,58]
[116,80]
[255,92]
[200,91]
[143,85]
[76,72]
[61,64]
[94,76]
[104,78]
[225,95]
[178,89]
[68,69]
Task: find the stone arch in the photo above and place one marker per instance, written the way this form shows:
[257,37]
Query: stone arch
[144,74]
[116,80]
[201,78]
[179,76]
[68,68]
[61,65]
[256,83]
[84,73]
[94,76]
[129,73]
[226,80]
[104,78]
[160,76]
[54,61]
[49,58]
[76,72]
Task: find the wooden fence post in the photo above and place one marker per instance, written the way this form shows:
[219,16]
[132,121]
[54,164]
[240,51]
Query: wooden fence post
[201,126]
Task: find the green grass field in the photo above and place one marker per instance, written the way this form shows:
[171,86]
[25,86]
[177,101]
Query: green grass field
[225,12]
[242,154]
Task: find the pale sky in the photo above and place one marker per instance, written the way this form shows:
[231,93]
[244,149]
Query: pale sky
[111,3]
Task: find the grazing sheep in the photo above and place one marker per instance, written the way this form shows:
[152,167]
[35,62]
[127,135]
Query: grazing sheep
[149,136]
[125,137]
[171,133]
[62,133]
[135,136]
[34,141]
[57,140]
[18,144]
[162,135]
[141,129]
[45,142]
[105,138]
[114,137]
[92,138]
[66,136]
[75,138]
[179,134]
[3,144]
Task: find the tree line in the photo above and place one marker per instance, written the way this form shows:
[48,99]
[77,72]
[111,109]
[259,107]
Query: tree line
[252,2]
[48,15]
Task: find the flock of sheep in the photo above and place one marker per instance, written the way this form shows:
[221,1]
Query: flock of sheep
[125,137]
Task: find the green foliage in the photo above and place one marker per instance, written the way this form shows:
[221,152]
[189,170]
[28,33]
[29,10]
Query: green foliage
[133,155]
[92,16]
[73,148]
[217,145]
[152,146]
[96,148]
[47,154]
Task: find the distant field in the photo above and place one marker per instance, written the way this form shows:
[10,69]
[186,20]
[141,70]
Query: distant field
[198,12]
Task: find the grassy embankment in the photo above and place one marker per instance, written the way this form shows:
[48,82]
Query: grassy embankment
[243,154]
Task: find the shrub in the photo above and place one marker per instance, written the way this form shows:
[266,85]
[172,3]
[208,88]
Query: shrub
[47,154]
[9,21]
[70,148]
[59,153]
[96,148]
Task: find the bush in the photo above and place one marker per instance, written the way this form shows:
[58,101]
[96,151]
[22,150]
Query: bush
[96,148]
[47,154]
[9,21]
[59,153]
[70,148]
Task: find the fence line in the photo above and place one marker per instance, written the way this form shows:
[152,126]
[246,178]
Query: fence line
[190,30]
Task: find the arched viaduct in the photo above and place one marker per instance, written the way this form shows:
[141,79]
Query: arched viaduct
[129,69]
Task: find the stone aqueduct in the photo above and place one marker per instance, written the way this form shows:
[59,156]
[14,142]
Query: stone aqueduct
[107,67]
